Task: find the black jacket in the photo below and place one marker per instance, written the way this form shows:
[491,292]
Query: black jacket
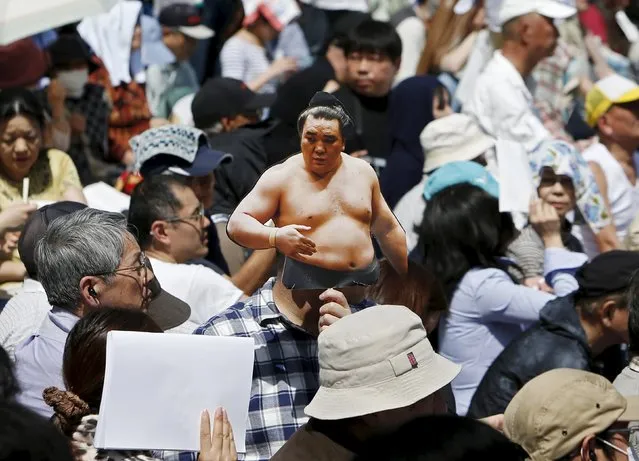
[557,341]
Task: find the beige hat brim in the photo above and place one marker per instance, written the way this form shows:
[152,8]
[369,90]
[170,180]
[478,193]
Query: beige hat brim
[470,150]
[335,404]
[632,410]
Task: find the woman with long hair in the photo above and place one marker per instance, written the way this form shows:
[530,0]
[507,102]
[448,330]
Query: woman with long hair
[463,239]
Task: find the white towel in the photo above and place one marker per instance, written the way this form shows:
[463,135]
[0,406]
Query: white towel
[109,35]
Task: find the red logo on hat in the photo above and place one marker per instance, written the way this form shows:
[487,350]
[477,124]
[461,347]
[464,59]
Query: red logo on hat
[412,359]
[194,20]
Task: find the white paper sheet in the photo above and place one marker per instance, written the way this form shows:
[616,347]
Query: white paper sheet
[515,177]
[157,385]
[101,196]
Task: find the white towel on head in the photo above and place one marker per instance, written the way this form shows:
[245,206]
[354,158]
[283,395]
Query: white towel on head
[110,35]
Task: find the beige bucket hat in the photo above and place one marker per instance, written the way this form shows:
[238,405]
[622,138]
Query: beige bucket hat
[553,413]
[454,138]
[375,360]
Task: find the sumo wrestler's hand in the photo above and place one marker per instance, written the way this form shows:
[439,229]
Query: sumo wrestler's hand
[290,242]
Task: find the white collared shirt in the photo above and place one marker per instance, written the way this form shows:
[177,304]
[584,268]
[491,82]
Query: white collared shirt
[23,315]
[502,103]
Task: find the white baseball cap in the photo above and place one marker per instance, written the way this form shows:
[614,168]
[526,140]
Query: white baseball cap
[553,9]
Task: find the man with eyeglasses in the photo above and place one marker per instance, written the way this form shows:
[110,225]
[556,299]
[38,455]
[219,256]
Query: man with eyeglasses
[86,260]
[571,415]
[172,228]
[185,153]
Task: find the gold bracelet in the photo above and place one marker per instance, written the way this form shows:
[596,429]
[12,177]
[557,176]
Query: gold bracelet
[272,236]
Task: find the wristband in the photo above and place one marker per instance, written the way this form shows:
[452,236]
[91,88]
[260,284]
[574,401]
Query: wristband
[272,237]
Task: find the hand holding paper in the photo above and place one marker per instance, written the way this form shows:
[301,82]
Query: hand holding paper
[219,446]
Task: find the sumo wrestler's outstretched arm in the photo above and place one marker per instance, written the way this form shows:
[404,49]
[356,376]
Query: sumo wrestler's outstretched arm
[246,224]
[388,232]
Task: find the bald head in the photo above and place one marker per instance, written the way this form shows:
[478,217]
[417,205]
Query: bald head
[528,39]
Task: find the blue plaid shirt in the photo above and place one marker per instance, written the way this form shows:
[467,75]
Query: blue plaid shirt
[285,374]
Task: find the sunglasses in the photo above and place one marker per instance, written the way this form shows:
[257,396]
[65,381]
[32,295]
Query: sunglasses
[548,177]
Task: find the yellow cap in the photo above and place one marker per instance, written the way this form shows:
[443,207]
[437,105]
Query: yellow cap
[614,89]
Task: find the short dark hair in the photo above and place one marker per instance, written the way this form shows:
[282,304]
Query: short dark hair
[20,101]
[442,438]
[153,199]
[84,359]
[372,36]
[25,435]
[325,113]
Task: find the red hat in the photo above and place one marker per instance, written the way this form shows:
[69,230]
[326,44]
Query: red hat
[22,63]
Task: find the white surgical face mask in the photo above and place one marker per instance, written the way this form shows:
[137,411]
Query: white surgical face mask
[74,81]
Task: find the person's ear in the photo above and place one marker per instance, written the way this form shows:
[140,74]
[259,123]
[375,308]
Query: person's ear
[607,312]
[604,127]
[397,64]
[158,231]
[227,124]
[90,288]
[586,450]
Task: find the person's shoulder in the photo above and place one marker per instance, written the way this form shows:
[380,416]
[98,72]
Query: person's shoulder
[58,158]
[284,169]
[237,320]
[361,165]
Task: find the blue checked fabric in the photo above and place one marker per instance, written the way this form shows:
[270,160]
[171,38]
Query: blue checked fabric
[285,374]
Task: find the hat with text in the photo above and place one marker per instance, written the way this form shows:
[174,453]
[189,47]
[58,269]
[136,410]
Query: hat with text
[226,97]
[553,9]
[278,13]
[186,18]
[613,89]
[176,149]
[552,414]
[35,228]
[455,138]
[455,173]
[376,360]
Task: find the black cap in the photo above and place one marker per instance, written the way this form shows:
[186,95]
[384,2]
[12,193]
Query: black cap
[164,308]
[187,18]
[607,273]
[225,97]
[35,228]
[68,49]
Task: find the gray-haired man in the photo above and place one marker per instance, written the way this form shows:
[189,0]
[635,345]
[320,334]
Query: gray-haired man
[86,260]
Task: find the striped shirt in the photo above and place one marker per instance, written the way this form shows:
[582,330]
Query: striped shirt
[527,250]
[245,61]
[285,373]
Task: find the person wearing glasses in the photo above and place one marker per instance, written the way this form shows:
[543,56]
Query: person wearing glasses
[571,415]
[185,152]
[172,228]
[86,261]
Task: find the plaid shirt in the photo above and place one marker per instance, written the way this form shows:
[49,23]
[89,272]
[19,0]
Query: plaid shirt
[285,374]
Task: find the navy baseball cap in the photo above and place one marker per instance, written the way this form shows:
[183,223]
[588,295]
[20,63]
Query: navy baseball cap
[186,18]
[181,150]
